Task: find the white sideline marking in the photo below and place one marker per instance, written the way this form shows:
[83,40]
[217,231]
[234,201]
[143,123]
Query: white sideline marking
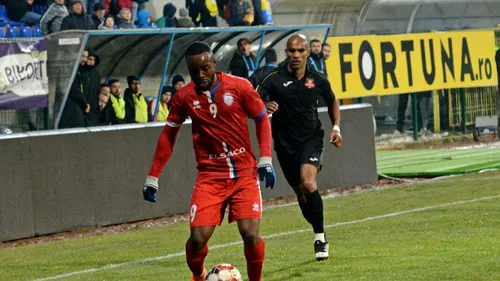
[113,266]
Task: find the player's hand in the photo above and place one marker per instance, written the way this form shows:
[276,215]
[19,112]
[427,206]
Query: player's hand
[150,188]
[336,138]
[272,107]
[266,171]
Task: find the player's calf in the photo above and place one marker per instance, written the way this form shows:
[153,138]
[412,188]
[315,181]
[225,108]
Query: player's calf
[255,247]
[197,250]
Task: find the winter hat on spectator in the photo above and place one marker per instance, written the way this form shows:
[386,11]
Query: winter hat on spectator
[183,12]
[73,2]
[131,79]
[99,6]
[166,89]
[177,78]
[271,56]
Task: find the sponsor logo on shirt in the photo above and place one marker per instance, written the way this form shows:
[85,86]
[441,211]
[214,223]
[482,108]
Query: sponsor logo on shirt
[286,84]
[196,104]
[225,155]
[310,83]
[228,99]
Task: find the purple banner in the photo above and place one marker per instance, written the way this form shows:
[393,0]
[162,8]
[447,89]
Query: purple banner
[23,75]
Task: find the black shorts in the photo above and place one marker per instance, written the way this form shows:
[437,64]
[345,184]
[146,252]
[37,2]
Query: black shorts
[311,152]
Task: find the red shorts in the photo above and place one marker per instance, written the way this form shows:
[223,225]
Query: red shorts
[211,197]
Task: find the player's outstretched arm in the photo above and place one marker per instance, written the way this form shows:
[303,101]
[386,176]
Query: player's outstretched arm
[265,166]
[334,112]
[163,152]
[255,108]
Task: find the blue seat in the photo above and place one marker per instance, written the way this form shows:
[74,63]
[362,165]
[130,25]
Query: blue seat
[3,12]
[2,32]
[36,31]
[26,32]
[12,32]
[39,9]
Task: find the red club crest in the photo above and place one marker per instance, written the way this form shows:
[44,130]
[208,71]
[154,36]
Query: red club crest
[310,83]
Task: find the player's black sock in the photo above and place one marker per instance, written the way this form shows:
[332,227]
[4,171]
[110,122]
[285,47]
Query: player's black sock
[314,206]
[305,209]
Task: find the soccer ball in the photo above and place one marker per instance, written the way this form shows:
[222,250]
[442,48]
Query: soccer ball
[224,272]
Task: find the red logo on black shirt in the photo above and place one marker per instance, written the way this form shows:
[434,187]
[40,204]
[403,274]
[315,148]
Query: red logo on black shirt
[310,83]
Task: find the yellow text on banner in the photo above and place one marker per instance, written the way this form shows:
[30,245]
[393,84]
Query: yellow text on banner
[397,64]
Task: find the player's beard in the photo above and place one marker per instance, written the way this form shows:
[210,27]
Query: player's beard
[209,84]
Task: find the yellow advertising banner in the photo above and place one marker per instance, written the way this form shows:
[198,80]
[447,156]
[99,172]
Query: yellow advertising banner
[396,64]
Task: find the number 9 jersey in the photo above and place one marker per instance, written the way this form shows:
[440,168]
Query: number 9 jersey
[219,125]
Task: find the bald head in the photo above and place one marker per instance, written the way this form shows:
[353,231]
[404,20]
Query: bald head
[297,39]
[297,51]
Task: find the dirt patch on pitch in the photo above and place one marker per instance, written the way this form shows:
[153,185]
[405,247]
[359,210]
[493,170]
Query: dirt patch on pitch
[184,218]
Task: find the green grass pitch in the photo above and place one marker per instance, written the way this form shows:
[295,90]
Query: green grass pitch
[438,230]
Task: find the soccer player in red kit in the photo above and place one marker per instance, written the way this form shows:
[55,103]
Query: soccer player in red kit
[218,105]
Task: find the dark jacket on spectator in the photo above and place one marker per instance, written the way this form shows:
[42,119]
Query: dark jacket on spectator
[96,21]
[16,9]
[238,66]
[77,21]
[238,12]
[52,20]
[100,117]
[91,83]
[199,8]
[74,110]
[167,20]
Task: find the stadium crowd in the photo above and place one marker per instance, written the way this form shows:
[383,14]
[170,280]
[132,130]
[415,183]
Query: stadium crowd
[35,18]
[91,103]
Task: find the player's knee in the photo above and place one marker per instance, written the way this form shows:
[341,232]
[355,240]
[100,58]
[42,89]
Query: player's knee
[250,236]
[308,185]
[198,241]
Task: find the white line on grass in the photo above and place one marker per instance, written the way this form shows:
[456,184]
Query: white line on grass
[113,266]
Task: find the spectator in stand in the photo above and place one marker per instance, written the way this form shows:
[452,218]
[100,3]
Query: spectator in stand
[99,13]
[178,82]
[315,60]
[168,19]
[203,12]
[20,10]
[117,103]
[144,19]
[242,63]
[137,5]
[164,105]
[92,79]
[52,19]
[239,11]
[108,23]
[101,116]
[184,20]
[115,6]
[125,19]
[258,14]
[326,50]
[136,107]
[76,104]
[77,19]
[261,73]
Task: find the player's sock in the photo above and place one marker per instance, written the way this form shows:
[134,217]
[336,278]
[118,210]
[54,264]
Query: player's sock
[195,260]
[314,204]
[255,260]
[304,209]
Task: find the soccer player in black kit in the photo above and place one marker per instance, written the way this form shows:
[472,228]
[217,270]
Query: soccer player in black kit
[292,94]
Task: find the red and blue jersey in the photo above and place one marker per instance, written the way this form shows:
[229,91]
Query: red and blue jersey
[219,124]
